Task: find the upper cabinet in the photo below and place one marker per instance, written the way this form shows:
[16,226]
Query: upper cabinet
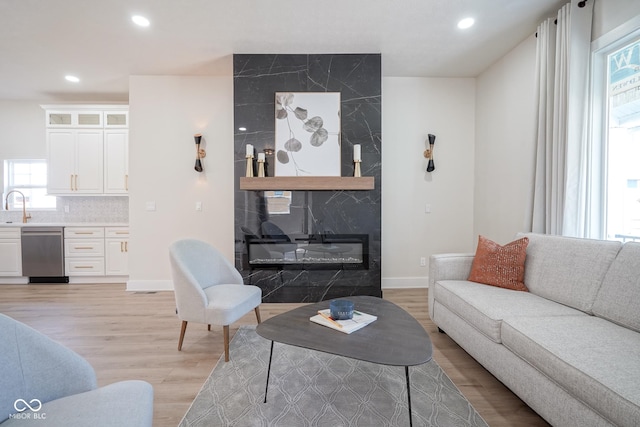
[88,149]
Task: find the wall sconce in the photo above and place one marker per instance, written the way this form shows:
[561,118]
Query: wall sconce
[200,153]
[428,153]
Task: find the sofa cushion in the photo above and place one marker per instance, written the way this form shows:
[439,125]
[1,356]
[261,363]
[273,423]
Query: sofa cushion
[484,307]
[121,404]
[592,358]
[618,299]
[34,366]
[501,266]
[567,270]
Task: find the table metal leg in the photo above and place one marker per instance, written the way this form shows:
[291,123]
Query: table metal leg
[406,372]
[266,388]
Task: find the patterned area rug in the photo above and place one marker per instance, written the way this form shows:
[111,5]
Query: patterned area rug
[310,388]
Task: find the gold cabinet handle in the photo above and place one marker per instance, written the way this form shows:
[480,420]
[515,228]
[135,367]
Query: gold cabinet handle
[76,182]
[126,246]
[71,182]
[121,246]
[84,247]
[84,232]
[83,266]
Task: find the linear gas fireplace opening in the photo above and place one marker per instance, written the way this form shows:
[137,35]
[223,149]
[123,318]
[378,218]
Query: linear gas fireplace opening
[308,251]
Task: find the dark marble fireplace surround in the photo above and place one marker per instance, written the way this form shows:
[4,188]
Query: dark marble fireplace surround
[312,213]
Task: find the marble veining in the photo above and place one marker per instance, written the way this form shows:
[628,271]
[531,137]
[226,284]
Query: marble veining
[358,77]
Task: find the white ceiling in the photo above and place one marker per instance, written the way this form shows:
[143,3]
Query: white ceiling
[42,41]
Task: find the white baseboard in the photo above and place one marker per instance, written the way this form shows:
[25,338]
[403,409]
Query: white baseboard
[17,280]
[88,280]
[405,282]
[149,285]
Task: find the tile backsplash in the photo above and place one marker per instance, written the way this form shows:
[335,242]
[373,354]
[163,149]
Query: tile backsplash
[81,209]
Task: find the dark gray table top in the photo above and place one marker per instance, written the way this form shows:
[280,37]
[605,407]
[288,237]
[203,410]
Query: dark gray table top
[395,338]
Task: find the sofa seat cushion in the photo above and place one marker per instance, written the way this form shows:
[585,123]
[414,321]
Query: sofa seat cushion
[591,358]
[484,306]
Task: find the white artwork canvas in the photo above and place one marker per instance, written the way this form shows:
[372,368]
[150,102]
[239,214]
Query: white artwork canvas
[307,134]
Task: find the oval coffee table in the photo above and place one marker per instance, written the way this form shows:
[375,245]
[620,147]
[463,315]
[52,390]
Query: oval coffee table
[395,338]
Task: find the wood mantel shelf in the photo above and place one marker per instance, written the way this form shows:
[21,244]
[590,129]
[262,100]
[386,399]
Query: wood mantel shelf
[307,183]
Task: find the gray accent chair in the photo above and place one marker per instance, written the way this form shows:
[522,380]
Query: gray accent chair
[208,289]
[46,384]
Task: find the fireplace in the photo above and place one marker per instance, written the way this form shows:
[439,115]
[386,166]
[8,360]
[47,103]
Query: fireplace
[327,243]
[308,251]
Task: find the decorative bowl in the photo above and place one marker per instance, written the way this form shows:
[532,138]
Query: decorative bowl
[341,309]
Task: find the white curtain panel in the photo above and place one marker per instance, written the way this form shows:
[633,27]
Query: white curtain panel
[561,192]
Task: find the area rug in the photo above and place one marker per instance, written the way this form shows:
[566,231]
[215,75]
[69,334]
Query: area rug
[310,388]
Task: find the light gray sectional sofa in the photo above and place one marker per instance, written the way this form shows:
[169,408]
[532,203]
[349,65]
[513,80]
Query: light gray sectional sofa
[43,383]
[570,347]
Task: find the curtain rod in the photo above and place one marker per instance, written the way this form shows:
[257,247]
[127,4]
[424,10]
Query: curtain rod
[581,3]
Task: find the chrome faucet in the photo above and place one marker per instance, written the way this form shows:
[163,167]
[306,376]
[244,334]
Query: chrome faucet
[25,216]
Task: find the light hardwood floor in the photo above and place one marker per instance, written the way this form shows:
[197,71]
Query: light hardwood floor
[128,335]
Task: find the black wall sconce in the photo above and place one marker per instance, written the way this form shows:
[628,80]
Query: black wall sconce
[428,153]
[200,153]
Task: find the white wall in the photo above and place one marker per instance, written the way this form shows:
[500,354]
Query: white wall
[413,108]
[504,162]
[609,14]
[165,114]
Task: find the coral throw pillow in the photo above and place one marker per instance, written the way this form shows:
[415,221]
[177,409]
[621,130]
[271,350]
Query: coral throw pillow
[501,266]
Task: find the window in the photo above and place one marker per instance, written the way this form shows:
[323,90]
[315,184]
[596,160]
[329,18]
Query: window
[617,127]
[29,177]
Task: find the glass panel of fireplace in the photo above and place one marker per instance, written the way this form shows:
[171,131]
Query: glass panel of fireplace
[275,249]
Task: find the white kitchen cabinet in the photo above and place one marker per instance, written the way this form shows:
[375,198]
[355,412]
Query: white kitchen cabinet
[116,251]
[10,252]
[116,119]
[88,149]
[75,161]
[62,118]
[84,251]
[116,161]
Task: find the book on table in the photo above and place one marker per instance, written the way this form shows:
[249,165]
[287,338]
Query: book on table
[359,321]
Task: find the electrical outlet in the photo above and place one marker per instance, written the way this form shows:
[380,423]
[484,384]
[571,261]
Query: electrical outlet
[423,262]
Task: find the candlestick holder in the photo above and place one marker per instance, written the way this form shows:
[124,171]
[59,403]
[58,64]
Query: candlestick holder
[260,167]
[356,169]
[249,172]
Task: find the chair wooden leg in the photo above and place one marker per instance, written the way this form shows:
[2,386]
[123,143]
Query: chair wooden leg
[208,327]
[225,330]
[257,310]
[182,331]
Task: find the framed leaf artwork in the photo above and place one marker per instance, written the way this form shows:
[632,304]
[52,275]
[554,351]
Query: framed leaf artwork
[307,134]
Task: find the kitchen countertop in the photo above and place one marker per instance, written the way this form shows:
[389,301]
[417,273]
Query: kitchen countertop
[66,224]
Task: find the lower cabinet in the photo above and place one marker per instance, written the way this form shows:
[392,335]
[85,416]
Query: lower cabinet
[84,251]
[10,252]
[116,244]
[96,251]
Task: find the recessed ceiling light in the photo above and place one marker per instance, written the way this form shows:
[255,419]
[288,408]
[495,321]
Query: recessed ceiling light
[140,20]
[242,129]
[466,23]
[72,79]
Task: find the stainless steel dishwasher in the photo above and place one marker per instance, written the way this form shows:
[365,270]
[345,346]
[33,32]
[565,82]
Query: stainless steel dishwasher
[43,254]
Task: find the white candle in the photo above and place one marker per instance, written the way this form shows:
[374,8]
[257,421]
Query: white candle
[356,153]
[249,150]
[261,157]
